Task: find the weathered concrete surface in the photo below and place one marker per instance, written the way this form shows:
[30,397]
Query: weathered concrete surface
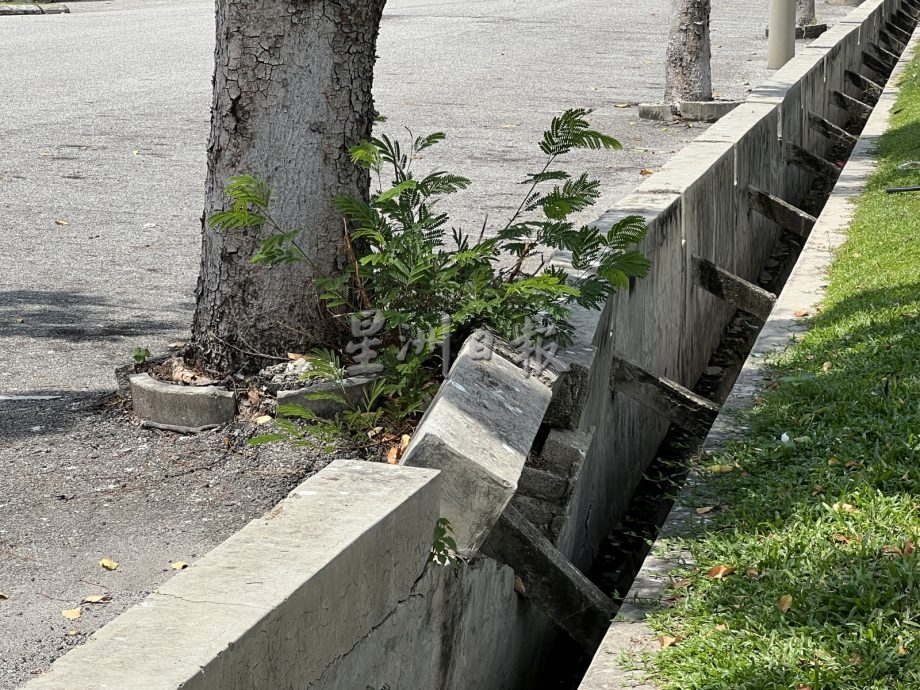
[279,602]
[550,580]
[478,431]
[804,289]
[190,408]
[352,391]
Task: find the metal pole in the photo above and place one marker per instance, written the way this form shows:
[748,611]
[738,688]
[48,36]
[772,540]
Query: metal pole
[781,46]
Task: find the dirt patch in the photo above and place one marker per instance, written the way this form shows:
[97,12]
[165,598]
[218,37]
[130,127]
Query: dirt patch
[81,481]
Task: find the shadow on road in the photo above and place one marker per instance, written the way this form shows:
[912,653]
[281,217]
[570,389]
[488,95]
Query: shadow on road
[79,317]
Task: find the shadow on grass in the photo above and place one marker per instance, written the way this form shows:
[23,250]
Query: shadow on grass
[827,516]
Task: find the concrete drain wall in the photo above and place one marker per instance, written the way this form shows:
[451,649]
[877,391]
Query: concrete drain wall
[332,589]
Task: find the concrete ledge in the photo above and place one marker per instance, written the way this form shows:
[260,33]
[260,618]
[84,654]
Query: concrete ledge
[180,408]
[278,602]
[478,431]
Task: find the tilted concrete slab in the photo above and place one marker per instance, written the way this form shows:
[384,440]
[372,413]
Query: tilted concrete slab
[280,600]
[478,431]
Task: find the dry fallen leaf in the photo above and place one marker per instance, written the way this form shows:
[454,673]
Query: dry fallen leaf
[889,550]
[374,432]
[802,686]
[404,442]
[4,595]
[717,572]
[853,465]
[785,602]
[519,586]
[801,313]
[751,572]
[61,221]
[645,172]
[901,650]
[704,510]
[721,626]
[135,152]
[908,547]
[666,641]
[295,356]
[393,455]
[179,565]
[71,614]
[97,599]
[108,564]
[683,583]
[844,539]
[263,419]
[827,366]
[73,632]
[845,508]
[720,469]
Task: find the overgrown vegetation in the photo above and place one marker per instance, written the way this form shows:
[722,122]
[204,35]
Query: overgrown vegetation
[808,572]
[418,286]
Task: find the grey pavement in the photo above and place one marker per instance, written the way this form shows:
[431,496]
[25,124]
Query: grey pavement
[102,160]
[106,119]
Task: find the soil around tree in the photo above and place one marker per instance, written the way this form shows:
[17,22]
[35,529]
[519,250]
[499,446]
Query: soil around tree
[83,481]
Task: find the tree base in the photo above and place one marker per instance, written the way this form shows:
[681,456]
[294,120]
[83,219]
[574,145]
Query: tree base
[690,111]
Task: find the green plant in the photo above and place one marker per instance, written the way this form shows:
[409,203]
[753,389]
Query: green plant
[444,547]
[140,355]
[431,286]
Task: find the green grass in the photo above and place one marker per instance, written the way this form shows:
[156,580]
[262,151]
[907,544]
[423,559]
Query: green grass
[821,518]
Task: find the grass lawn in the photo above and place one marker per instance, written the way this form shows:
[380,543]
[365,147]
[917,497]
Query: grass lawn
[822,526]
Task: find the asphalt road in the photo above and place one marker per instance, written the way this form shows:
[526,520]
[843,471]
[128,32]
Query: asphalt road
[105,121]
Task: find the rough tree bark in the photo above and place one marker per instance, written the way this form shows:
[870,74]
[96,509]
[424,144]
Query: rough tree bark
[688,74]
[292,93]
[804,12]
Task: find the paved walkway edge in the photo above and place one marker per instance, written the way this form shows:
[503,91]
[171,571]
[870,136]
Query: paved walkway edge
[628,634]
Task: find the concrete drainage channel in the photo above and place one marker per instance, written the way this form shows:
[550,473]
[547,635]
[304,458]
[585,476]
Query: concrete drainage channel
[333,588]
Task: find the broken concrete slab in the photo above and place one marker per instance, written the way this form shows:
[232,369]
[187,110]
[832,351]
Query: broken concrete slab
[478,431]
[180,408]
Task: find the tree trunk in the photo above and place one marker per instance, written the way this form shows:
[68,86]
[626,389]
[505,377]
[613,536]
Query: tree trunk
[804,12]
[292,93]
[688,75]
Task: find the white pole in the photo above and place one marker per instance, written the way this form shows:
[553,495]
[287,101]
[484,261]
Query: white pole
[781,46]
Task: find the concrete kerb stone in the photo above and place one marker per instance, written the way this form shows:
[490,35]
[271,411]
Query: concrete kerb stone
[30,8]
[706,111]
[629,634]
[180,408]
[692,111]
[281,599]
[478,431]
[353,392]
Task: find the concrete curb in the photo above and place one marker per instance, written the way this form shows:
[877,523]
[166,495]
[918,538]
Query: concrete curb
[629,635]
[180,408]
[27,9]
